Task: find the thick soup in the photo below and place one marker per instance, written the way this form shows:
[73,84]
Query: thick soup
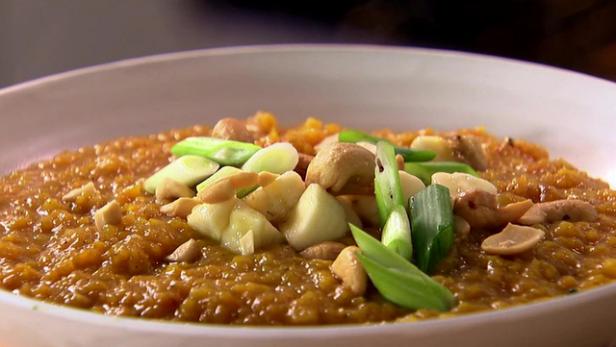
[485,223]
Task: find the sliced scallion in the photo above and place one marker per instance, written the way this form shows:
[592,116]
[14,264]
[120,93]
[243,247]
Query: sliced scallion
[277,158]
[424,171]
[413,155]
[410,155]
[225,152]
[387,187]
[188,170]
[433,226]
[397,279]
[406,289]
[374,249]
[354,136]
[397,233]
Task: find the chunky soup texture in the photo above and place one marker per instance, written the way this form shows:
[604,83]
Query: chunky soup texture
[51,250]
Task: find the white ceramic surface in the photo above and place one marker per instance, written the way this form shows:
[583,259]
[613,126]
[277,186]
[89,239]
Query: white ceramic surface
[572,114]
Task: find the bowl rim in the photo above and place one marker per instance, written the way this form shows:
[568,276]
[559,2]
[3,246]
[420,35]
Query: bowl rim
[324,331]
[285,48]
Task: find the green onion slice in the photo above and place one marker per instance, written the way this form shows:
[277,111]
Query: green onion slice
[397,233]
[387,188]
[433,226]
[424,171]
[354,136]
[413,155]
[225,152]
[188,170]
[277,158]
[397,279]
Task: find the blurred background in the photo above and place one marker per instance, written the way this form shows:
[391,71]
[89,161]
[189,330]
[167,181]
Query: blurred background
[41,37]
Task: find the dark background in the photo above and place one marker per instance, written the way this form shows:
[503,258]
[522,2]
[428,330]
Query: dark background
[41,37]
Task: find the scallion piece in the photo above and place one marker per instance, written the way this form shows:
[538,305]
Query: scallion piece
[424,171]
[411,155]
[277,158]
[433,226]
[397,279]
[407,289]
[397,233]
[387,187]
[225,152]
[374,249]
[354,136]
[188,170]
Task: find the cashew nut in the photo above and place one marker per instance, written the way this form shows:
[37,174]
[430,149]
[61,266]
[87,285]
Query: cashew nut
[552,211]
[187,252]
[350,271]
[400,161]
[460,183]
[462,227]
[331,139]
[343,168]
[411,185]
[169,190]
[226,188]
[266,178]
[181,207]
[328,250]
[480,210]
[513,239]
[232,129]
[469,149]
[109,214]
[87,188]
[367,145]
[303,163]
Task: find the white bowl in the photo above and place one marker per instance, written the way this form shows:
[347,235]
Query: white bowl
[363,86]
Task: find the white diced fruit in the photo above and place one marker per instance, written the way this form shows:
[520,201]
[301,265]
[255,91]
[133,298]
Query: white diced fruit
[211,220]
[188,170]
[248,231]
[316,217]
[235,225]
[276,199]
